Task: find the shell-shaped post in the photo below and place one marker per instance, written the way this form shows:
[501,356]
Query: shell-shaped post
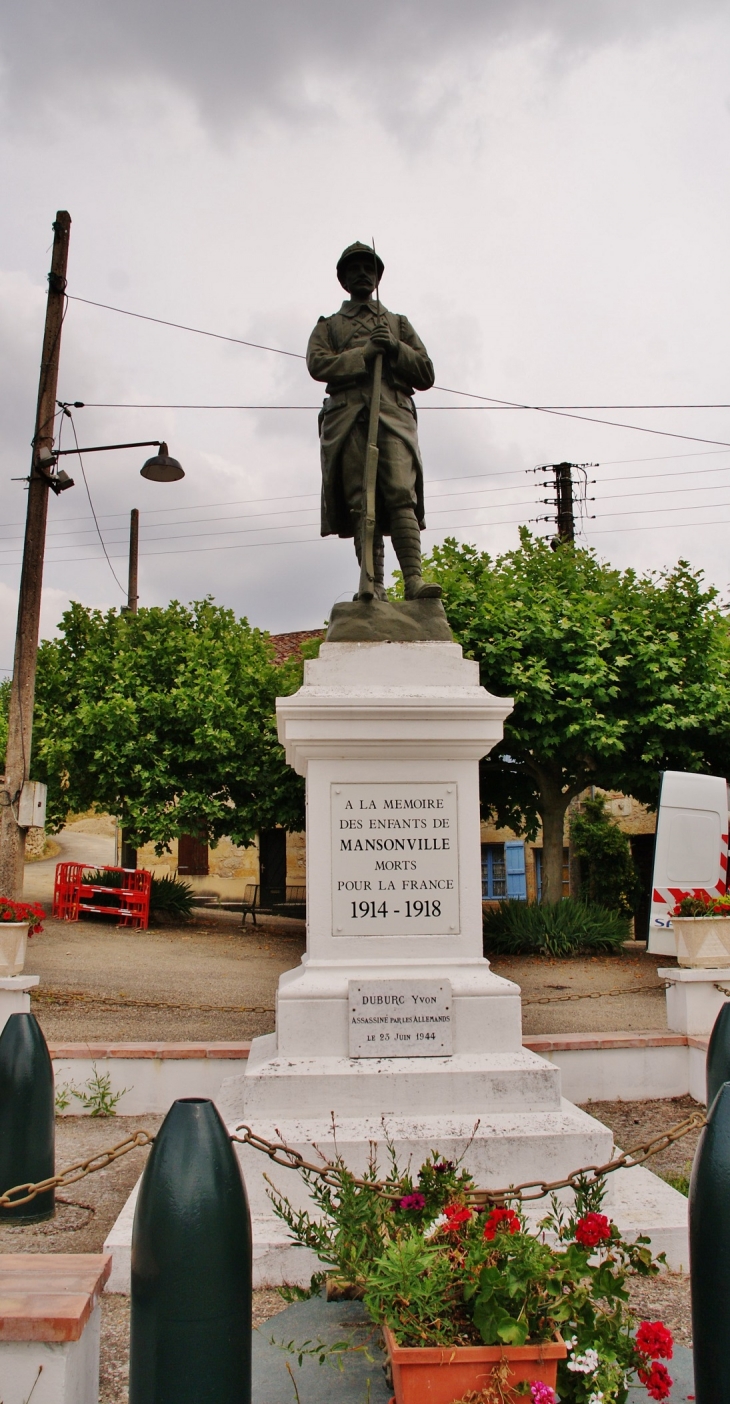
[27,1116]
[718,1054]
[191,1267]
[709,1253]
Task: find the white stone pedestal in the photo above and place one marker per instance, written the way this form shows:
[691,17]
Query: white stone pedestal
[695,998]
[389,737]
[15,996]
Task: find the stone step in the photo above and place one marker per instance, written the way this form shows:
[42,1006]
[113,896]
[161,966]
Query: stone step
[274,1085]
[498,1149]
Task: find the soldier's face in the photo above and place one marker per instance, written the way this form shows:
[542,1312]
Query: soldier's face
[360,276]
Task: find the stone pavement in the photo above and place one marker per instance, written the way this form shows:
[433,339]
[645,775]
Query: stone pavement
[362,1381]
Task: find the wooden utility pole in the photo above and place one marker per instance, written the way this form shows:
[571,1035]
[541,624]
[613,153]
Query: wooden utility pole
[132,594]
[564,501]
[22,696]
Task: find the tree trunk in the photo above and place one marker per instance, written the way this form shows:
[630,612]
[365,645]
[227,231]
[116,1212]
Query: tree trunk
[554,805]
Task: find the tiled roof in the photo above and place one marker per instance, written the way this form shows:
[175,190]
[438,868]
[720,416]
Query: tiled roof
[290,645]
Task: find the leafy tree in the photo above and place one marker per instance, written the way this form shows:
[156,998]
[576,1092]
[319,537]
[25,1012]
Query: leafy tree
[614,676]
[607,872]
[165,718]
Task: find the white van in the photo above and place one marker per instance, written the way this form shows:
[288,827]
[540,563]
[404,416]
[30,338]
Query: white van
[691,848]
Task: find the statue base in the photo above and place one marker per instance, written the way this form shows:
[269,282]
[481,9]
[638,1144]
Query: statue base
[389,621]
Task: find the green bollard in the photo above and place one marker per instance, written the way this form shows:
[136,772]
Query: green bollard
[709,1255]
[27,1117]
[718,1054]
[191,1267]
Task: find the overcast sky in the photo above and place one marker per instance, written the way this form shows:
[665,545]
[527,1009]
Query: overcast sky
[546,181]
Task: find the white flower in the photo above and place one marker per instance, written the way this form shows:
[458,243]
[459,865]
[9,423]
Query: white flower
[596,1397]
[434,1227]
[585,1364]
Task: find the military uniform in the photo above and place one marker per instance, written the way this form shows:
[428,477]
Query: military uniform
[335,354]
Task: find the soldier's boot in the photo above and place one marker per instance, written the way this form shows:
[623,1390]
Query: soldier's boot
[406,537]
[379,590]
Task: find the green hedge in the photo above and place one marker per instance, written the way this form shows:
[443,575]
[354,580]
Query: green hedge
[553,928]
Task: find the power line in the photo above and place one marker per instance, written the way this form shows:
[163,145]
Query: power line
[510,473]
[281,512]
[76,531]
[447,390]
[132,404]
[293,526]
[88,494]
[657,526]
[160,321]
[295,496]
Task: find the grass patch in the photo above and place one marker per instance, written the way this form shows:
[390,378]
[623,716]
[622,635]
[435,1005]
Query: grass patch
[679,1179]
[553,928]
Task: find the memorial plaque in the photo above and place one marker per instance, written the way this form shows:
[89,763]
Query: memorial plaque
[399,1018]
[395,859]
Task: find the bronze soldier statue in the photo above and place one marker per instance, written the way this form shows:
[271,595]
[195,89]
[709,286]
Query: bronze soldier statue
[345,350]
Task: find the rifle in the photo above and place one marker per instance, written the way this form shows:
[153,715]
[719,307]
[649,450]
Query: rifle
[370,475]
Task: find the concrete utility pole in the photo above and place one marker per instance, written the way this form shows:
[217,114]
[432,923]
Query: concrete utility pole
[20,719]
[132,595]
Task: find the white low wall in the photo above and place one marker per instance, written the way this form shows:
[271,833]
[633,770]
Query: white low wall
[150,1077]
[625,1067]
[628,1067]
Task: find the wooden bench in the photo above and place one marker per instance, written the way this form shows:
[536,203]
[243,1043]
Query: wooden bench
[50,1326]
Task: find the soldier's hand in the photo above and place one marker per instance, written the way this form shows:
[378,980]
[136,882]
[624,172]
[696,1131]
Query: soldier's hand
[381,343]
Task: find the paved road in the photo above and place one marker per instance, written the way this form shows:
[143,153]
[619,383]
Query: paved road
[77,845]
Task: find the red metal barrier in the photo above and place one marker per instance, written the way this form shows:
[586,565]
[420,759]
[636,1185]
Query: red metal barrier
[74,892]
[65,890]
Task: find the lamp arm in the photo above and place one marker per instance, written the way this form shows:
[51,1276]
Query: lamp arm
[104,448]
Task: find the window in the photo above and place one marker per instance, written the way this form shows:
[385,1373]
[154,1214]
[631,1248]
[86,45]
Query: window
[503,872]
[494,871]
[538,872]
[192,856]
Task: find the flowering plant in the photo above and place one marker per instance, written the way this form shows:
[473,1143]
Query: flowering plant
[440,1268]
[691,905]
[22,911]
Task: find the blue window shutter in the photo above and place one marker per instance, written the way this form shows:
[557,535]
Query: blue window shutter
[514,856]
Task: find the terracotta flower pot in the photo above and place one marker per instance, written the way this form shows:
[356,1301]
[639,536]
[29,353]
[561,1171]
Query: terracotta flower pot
[13,941]
[444,1374]
[702,942]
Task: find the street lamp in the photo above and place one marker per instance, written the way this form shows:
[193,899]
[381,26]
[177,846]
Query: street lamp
[44,475]
[162,468]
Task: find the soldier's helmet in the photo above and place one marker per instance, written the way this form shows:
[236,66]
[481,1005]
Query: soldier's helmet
[353,251]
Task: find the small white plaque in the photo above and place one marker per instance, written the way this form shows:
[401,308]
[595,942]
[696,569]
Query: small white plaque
[395,859]
[399,1018]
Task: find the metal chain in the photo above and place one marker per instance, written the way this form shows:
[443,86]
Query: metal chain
[22,1194]
[50,996]
[332,1174]
[595,994]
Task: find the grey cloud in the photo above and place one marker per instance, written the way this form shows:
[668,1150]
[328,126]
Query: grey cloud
[235,58]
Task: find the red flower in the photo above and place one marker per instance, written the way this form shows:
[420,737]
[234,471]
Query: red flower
[22,911]
[412,1201]
[592,1229]
[456,1215]
[502,1220]
[653,1339]
[657,1380]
